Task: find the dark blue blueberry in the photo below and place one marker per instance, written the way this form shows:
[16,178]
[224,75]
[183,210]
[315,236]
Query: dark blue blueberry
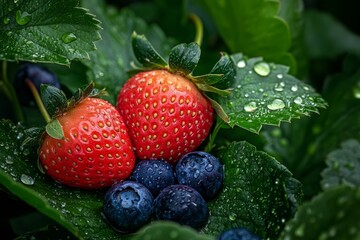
[202,171]
[181,204]
[154,174]
[238,234]
[127,206]
[37,75]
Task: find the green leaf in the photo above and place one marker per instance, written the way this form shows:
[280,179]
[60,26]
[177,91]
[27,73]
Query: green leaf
[47,232]
[265,93]
[327,38]
[304,152]
[259,193]
[38,31]
[54,129]
[72,77]
[253,28]
[109,65]
[343,166]
[53,99]
[77,210]
[169,230]
[184,57]
[145,52]
[333,214]
[221,75]
[292,11]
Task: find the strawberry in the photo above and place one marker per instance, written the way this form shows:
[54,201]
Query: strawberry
[165,106]
[95,150]
[166,114]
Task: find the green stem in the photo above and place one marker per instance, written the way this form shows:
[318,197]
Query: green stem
[210,145]
[199,28]
[10,93]
[38,101]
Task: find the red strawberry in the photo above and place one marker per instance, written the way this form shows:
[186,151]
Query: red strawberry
[167,116]
[96,150]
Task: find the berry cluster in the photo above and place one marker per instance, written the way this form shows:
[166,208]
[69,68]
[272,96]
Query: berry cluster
[159,190]
[161,113]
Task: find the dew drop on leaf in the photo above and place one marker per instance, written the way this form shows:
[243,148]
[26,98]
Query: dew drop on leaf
[22,18]
[241,64]
[262,69]
[9,160]
[232,216]
[356,92]
[298,100]
[250,107]
[279,76]
[294,88]
[6,20]
[279,87]
[26,179]
[68,37]
[276,104]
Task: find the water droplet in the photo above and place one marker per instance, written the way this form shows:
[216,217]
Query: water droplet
[9,160]
[22,18]
[306,88]
[356,91]
[298,100]
[294,88]
[19,136]
[262,68]
[26,152]
[276,104]
[250,107]
[26,179]
[209,167]
[279,87]
[68,37]
[196,174]
[6,20]
[232,216]
[241,64]
[279,76]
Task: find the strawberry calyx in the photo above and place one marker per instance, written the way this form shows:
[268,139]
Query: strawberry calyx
[52,102]
[182,60]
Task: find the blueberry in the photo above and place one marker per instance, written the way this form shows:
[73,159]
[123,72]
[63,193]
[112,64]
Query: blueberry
[37,75]
[127,206]
[202,171]
[238,234]
[181,204]
[154,174]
